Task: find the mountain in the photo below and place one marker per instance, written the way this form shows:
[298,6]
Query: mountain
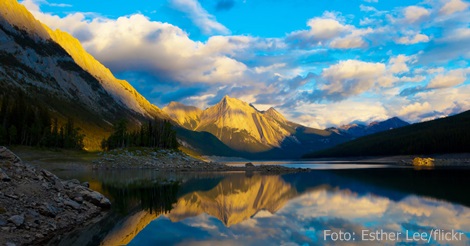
[253,133]
[241,126]
[445,135]
[53,70]
[359,130]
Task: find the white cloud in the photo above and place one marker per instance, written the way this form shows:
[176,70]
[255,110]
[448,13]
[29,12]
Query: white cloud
[457,34]
[61,5]
[367,21]
[452,78]
[324,29]
[330,30]
[201,18]
[414,110]
[353,40]
[398,64]
[352,77]
[414,79]
[418,38]
[453,6]
[429,104]
[322,115]
[135,42]
[365,8]
[415,13]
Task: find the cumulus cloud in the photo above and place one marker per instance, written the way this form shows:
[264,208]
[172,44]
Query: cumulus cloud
[452,78]
[322,115]
[365,8]
[329,29]
[351,77]
[201,18]
[417,38]
[321,29]
[453,6]
[352,40]
[414,14]
[399,64]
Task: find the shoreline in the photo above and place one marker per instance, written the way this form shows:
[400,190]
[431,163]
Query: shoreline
[174,161]
[36,205]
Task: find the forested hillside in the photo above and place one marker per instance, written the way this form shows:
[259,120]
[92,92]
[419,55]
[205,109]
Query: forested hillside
[445,135]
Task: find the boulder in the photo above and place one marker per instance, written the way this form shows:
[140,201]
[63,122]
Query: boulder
[48,210]
[6,154]
[4,177]
[96,198]
[249,164]
[18,220]
[72,204]
[86,184]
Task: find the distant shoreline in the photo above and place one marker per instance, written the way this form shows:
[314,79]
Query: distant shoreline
[440,160]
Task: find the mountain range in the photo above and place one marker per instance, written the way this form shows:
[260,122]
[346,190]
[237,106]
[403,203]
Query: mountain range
[361,129]
[52,69]
[251,132]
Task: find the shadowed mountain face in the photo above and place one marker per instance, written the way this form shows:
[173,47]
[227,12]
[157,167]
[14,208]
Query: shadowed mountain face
[54,70]
[256,134]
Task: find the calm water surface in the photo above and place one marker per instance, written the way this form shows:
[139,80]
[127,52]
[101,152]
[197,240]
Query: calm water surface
[154,208]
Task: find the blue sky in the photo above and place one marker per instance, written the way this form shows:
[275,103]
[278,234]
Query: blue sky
[320,63]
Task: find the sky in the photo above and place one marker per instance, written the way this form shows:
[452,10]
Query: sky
[320,63]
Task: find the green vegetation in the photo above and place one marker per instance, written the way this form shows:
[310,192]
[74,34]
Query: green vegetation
[155,134]
[446,135]
[25,124]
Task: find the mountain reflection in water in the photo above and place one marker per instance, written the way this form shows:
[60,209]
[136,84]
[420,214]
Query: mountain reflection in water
[294,208]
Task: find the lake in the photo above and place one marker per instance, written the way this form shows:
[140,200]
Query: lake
[334,204]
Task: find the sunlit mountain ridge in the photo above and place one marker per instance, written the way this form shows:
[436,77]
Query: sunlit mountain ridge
[123,93]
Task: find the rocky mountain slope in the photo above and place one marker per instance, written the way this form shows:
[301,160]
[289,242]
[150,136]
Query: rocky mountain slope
[53,69]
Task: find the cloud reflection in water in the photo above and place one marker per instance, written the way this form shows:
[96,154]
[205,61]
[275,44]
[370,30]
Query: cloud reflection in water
[302,219]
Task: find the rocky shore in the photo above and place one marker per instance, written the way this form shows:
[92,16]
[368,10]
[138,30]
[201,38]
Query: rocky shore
[175,161]
[35,205]
[436,162]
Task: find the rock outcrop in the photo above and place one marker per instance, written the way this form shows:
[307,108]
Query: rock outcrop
[35,205]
